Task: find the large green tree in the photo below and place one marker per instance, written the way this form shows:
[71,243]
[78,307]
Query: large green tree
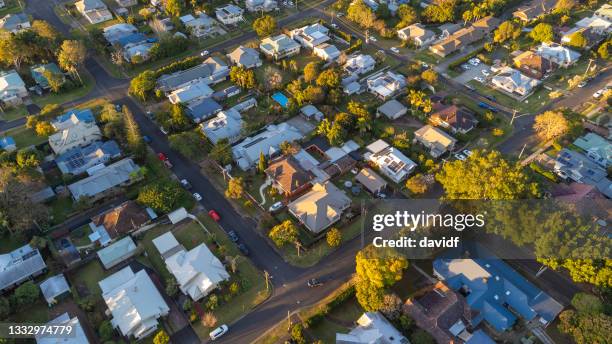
[284,233]
[71,57]
[507,30]
[376,270]
[542,32]
[361,14]
[164,196]
[264,26]
[134,139]
[143,84]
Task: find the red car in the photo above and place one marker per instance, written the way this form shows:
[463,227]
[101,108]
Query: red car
[214,215]
[162,156]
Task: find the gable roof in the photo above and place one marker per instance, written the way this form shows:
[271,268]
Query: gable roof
[122,219]
[597,148]
[212,67]
[72,117]
[19,265]
[245,56]
[417,31]
[370,180]
[534,9]
[288,174]
[320,207]
[78,159]
[456,117]
[38,73]
[118,251]
[104,179]
[434,136]
[53,287]
[12,21]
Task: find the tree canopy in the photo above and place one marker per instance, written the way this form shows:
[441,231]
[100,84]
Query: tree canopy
[542,32]
[550,125]
[264,26]
[284,233]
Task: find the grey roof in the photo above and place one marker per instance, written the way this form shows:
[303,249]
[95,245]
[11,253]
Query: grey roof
[392,108]
[203,109]
[54,287]
[104,179]
[581,169]
[19,265]
[43,195]
[244,56]
[116,252]
[208,68]
[12,21]
[77,160]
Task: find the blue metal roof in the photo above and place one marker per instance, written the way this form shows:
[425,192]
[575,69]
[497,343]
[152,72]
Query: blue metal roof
[479,337]
[203,109]
[132,38]
[82,115]
[6,141]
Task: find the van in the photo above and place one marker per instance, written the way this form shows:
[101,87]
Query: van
[218,332]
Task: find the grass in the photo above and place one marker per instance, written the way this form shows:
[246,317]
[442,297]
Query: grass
[10,6]
[14,113]
[89,275]
[34,313]
[67,96]
[10,242]
[61,209]
[336,320]
[25,137]
[531,105]
[80,236]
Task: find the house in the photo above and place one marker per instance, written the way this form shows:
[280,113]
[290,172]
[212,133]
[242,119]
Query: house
[387,84]
[43,195]
[604,12]
[371,181]
[392,109]
[598,149]
[229,14]
[79,135]
[115,33]
[288,177]
[39,72]
[418,34]
[465,36]
[19,266]
[12,88]
[104,180]
[202,109]
[359,64]
[595,24]
[213,70]
[533,65]
[134,302]
[312,113]
[245,57]
[445,314]
[456,119]
[514,82]
[77,335]
[558,54]
[95,11]
[126,3]
[592,38]
[496,292]
[261,5]
[226,125]
[279,47]
[199,26]
[79,159]
[448,29]
[72,118]
[372,327]
[389,160]
[246,153]
[53,288]
[121,220]
[534,9]
[137,52]
[434,139]
[578,167]
[7,143]
[117,252]
[197,271]
[191,92]
[575,193]
[310,36]
[327,52]
[321,207]
[15,22]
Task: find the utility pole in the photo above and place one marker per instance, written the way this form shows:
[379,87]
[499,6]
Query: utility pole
[267,277]
[298,246]
[588,68]
[288,321]
[367,34]
[513,117]
[522,150]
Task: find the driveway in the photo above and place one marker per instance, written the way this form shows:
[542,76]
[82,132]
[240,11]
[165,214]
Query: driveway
[301,124]
[470,74]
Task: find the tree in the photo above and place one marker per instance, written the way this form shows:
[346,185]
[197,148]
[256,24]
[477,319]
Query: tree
[17,208]
[190,144]
[5,308]
[370,297]
[392,306]
[235,188]
[174,8]
[605,50]
[421,336]
[264,26]
[71,57]
[262,164]
[430,76]
[284,233]
[162,196]
[417,184]
[13,51]
[209,320]
[361,14]
[333,237]
[577,40]
[586,328]
[222,152]
[485,175]
[587,304]
[542,32]
[407,15]
[44,128]
[329,78]
[383,11]
[311,71]
[550,125]
[142,85]
[441,11]
[171,286]
[105,330]
[134,139]
[178,121]
[161,338]
[381,269]
[31,122]
[55,80]
[28,158]
[242,77]
[506,30]
[26,293]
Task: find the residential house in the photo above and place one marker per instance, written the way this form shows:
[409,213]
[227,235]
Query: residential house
[134,302]
[389,160]
[533,65]
[19,266]
[448,29]
[126,3]
[77,335]
[558,54]
[261,5]
[72,118]
[592,38]
[213,70]
[466,36]
[117,252]
[595,24]
[15,22]
[392,109]
[279,47]
[604,12]
[54,288]
[597,149]
[418,34]
[514,82]
[229,14]
[321,207]
[359,64]
[437,141]
[371,181]
[312,113]
[372,327]
[191,92]
[534,9]
[578,167]
[7,143]
[114,33]
[197,272]
[455,118]
[119,221]
[39,74]
[79,159]
[79,135]
[104,180]
[202,109]
[226,125]
[310,36]
[200,26]
[12,88]
[496,292]
[245,57]
[387,84]
[327,52]
[575,193]
[288,177]
[95,11]
[246,153]
[137,52]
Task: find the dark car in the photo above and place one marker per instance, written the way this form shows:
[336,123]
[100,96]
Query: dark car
[233,236]
[314,283]
[242,247]
[147,139]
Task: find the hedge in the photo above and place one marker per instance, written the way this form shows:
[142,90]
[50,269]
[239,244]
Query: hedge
[548,174]
[183,64]
[335,302]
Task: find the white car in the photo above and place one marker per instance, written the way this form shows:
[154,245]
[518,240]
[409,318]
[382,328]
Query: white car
[466,66]
[582,84]
[373,39]
[395,50]
[218,332]
[276,206]
[197,196]
[599,93]
[459,156]
[424,65]
[334,26]
[467,152]
[204,53]
[340,15]
[485,72]
[479,79]
[474,61]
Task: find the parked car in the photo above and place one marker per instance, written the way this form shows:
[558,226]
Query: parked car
[599,93]
[218,332]
[334,26]
[197,196]
[466,66]
[314,283]
[275,207]
[214,215]
[186,184]
[233,236]
[474,61]
[373,39]
[491,98]
[459,156]
[168,164]
[149,114]
[147,139]
[340,15]
[485,72]
[467,152]
[204,53]
[395,50]
[487,106]
[424,65]
[582,84]
[242,247]
[162,156]
[118,107]
[479,79]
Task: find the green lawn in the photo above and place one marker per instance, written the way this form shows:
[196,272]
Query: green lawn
[336,321]
[14,113]
[10,6]
[530,105]
[61,209]
[89,275]
[69,95]
[10,242]
[25,137]
[34,313]
[80,236]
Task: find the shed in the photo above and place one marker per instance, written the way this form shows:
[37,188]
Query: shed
[53,288]
[371,181]
[117,252]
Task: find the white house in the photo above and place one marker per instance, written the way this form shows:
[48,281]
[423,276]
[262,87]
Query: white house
[229,14]
[437,141]
[197,272]
[246,152]
[513,81]
[321,207]
[95,11]
[311,35]
[279,47]
[199,26]
[191,92]
[15,22]
[134,302]
[245,57]
[386,84]
[558,54]
[261,5]
[77,335]
[597,25]
[327,52]
[79,135]
[12,88]
[604,12]
[226,125]
[418,34]
[390,161]
[372,327]
[359,64]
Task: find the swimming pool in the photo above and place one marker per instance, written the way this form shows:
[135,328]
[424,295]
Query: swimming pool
[280,98]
